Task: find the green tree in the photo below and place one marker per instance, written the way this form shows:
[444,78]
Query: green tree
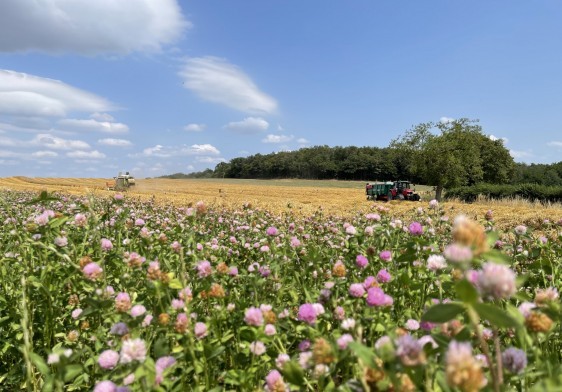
[460,155]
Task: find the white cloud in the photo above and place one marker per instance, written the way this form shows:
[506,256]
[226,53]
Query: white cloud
[89,27]
[44,154]
[520,154]
[277,138]
[494,138]
[195,127]
[210,160]
[94,125]
[28,95]
[200,149]
[249,125]
[102,116]
[115,142]
[156,151]
[57,143]
[95,154]
[302,140]
[166,152]
[555,144]
[446,120]
[215,80]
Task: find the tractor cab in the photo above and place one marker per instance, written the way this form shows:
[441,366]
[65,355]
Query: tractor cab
[403,191]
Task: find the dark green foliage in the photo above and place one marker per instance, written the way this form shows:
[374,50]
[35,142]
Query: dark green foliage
[531,192]
[538,174]
[318,163]
[209,173]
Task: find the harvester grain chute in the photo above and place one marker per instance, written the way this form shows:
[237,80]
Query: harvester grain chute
[397,190]
[121,183]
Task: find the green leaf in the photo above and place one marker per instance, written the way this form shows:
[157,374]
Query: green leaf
[72,371]
[466,291]
[247,334]
[161,348]
[54,223]
[441,313]
[216,352]
[497,256]
[364,353]
[293,373]
[495,315]
[39,363]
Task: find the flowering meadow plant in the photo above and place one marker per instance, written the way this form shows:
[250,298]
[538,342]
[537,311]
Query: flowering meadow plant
[118,294]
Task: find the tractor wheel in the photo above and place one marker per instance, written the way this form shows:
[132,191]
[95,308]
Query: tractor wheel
[416,197]
[389,196]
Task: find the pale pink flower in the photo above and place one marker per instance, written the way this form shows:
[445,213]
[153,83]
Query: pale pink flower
[204,269]
[496,281]
[122,302]
[257,348]
[344,340]
[200,330]
[436,262]
[147,320]
[270,330]
[138,310]
[133,350]
[105,386]
[281,360]
[106,244]
[108,359]
[92,271]
[253,316]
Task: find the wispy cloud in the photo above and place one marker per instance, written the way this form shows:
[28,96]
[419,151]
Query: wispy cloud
[44,154]
[216,80]
[210,160]
[195,127]
[86,154]
[91,125]
[57,143]
[161,151]
[554,144]
[277,138]
[90,27]
[115,142]
[249,125]
[518,154]
[200,149]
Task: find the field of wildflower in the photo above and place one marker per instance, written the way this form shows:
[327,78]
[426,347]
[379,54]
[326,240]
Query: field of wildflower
[116,292]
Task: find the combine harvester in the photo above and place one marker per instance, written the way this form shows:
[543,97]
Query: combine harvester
[121,183]
[397,190]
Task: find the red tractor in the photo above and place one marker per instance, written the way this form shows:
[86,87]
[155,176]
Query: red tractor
[402,191]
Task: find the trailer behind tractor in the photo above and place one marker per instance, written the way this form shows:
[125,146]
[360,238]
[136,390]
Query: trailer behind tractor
[399,190]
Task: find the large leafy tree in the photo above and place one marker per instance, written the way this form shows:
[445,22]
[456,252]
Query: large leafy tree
[460,154]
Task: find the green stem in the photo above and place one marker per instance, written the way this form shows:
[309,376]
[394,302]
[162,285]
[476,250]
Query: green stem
[474,319]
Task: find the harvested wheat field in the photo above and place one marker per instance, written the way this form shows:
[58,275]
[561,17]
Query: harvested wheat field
[340,198]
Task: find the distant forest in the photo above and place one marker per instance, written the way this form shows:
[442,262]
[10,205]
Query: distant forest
[350,163]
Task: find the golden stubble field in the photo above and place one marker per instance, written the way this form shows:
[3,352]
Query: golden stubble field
[285,196]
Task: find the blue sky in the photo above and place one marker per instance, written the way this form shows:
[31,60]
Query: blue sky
[162,86]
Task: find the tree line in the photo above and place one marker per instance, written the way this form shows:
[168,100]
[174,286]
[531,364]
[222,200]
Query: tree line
[445,155]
